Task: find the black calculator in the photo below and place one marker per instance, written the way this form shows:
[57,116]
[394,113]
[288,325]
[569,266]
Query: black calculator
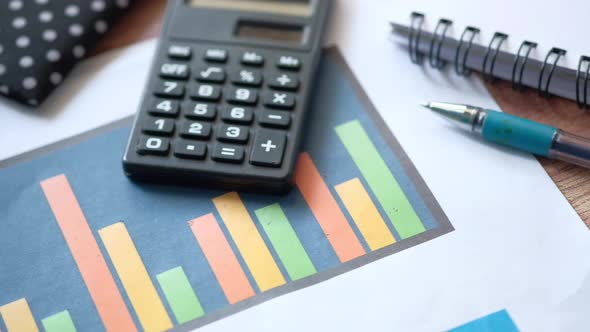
[227,97]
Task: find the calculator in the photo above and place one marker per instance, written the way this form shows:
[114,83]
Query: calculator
[226,100]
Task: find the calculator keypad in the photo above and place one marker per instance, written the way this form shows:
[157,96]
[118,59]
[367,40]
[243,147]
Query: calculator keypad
[217,106]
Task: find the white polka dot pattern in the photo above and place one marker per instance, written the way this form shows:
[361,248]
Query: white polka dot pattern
[41,40]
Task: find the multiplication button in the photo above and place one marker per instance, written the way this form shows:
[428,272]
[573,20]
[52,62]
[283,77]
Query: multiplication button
[190,150]
[228,153]
[279,100]
[268,148]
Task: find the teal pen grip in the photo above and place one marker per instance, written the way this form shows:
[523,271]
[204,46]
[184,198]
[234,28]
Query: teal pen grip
[518,133]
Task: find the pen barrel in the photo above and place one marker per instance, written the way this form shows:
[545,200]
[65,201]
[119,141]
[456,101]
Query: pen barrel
[571,148]
[519,133]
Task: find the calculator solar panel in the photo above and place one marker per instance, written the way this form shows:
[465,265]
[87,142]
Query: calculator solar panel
[222,109]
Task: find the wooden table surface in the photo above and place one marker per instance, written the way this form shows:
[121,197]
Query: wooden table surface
[145,18]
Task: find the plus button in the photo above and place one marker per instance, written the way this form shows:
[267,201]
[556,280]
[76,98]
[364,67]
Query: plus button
[268,146]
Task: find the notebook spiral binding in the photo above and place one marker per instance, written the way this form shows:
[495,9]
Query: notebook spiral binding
[460,67]
[522,56]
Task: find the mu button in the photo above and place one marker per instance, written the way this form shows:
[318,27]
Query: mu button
[268,149]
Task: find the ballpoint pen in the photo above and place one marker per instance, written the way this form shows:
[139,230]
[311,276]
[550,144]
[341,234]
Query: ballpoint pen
[516,132]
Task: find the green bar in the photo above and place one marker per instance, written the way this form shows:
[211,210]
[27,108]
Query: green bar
[285,242]
[60,322]
[180,295]
[380,179]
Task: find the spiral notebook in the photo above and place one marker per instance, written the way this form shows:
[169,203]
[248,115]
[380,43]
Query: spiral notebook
[535,44]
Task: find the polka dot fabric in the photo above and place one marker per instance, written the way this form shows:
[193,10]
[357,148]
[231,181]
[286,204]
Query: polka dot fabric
[41,40]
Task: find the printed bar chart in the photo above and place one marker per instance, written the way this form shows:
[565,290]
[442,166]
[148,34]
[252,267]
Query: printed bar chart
[60,322]
[223,261]
[285,242]
[87,255]
[18,317]
[380,179]
[180,295]
[325,209]
[365,214]
[252,247]
[134,277]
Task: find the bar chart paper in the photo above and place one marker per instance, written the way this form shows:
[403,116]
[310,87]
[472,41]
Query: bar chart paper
[91,250]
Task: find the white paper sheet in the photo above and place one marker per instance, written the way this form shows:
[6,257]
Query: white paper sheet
[99,91]
[560,24]
[518,244]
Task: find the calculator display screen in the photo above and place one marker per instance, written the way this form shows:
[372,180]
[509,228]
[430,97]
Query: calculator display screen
[271,32]
[301,8]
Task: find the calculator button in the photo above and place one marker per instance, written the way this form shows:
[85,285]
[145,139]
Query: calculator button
[179,52]
[228,153]
[174,71]
[268,149]
[211,75]
[201,111]
[207,92]
[243,96]
[157,126]
[230,133]
[278,119]
[284,82]
[190,150]
[237,114]
[252,59]
[195,130]
[279,100]
[153,145]
[164,107]
[216,55]
[169,89]
[247,77]
[289,62]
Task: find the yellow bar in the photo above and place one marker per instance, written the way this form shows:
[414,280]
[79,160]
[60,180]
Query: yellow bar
[18,317]
[241,227]
[135,279]
[365,214]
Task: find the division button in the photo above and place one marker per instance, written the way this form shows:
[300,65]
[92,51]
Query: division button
[289,62]
[211,74]
[268,149]
[284,82]
[277,119]
[252,59]
[179,52]
[216,55]
[279,100]
[190,150]
[153,145]
[228,153]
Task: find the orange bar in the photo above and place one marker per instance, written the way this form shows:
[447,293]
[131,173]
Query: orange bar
[223,261]
[326,210]
[87,255]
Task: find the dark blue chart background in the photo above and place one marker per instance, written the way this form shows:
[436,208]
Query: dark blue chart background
[36,263]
